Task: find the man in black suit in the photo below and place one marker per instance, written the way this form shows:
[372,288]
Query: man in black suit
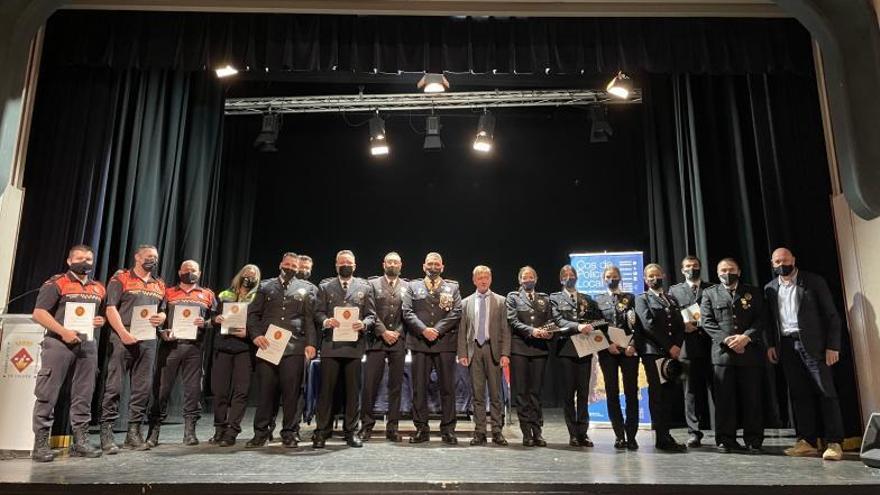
[432,310]
[695,352]
[386,343]
[342,357]
[803,331]
[732,314]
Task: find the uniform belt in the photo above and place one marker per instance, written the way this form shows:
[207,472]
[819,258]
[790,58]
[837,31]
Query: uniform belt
[792,336]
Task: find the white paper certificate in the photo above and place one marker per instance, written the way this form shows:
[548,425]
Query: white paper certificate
[278,339]
[691,314]
[619,337]
[590,343]
[141,328]
[80,317]
[234,316]
[347,316]
[183,326]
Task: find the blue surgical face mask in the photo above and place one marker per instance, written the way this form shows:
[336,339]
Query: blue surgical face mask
[569,283]
[529,285]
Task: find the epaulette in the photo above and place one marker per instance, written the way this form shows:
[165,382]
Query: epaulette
[374,277]
[451,281]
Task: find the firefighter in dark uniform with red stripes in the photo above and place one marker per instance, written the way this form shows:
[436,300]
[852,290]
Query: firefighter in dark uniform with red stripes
[181,356]
[66,352]
[128,355]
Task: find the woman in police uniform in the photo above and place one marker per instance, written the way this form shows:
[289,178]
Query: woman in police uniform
[617,309]
[528,311]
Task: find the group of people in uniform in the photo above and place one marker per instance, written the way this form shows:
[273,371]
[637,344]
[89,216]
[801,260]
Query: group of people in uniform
[725,345]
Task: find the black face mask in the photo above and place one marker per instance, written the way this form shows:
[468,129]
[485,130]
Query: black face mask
[655,284]
[613,284]
[692,274]
[189,278]
[392,271]
[149,265]
[82,268]
[288,273]
[783,270]
[345,271]
[303,274]
[729,279]
[248,282]
[432,273]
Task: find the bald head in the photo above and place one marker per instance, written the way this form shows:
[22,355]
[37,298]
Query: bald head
[782,261]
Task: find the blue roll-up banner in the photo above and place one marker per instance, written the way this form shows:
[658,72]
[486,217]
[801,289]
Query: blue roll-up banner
[589,267]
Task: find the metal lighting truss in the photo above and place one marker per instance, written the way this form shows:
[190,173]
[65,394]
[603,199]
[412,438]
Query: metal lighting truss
[423,101]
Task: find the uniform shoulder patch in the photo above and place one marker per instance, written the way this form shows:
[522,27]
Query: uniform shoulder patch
[53,279]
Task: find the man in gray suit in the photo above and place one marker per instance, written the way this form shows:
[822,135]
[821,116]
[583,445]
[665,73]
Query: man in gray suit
[484,347]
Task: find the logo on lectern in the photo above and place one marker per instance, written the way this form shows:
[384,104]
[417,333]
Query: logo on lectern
[21,360]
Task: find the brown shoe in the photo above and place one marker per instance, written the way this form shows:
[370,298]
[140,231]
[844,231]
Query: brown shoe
[834,452]
[801,449]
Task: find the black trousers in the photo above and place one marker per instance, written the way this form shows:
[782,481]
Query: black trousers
[287,376]
[58,361]
[332,368]
[373,379]
[136,361]
[812,390]
[658,398]
[526,382]
[576,393]
[177,358]
[697,384]
[614,366]
[230,381]
[739,389]
[422,364]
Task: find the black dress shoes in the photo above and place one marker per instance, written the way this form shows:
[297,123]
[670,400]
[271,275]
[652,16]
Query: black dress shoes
[498,439]
[539,440]
[620,444]
[366,435]
[353,441]
[671,446]
[729,447]
[479,439]
[694,441]
[631,444]
[574,442]
[449,439]
[419,437]
[584,441]
[318,441]
[393,436]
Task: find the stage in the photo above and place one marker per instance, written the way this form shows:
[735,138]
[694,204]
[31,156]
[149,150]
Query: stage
[383,467]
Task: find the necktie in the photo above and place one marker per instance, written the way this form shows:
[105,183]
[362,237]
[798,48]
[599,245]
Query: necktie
[574,299]
[531,297]
[344,285]
[481,324]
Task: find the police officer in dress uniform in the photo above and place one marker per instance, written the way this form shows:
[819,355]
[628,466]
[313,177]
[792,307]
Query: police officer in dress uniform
[528,311]
[618,310]
[385,343]
[182,356]
[128,355]
[696,351]
[283,302]
[341,358]
[574,312]
[659,334]
[732,314]
[64,351]
[432,310]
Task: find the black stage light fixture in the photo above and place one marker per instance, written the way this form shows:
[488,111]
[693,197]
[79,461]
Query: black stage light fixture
[600,129]
[432,136]
[378,142]
[870,453]
[265,141]
[484,141]
[621,86]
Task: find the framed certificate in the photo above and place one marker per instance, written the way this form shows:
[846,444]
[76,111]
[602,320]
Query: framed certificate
[140,327]
[80,317]
[347,317]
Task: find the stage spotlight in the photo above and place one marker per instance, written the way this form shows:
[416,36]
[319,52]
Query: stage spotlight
[621,86]
[432,137]
[485,133]
[378,143]
[226,71]
[600,129]
[433,83]
[265,141]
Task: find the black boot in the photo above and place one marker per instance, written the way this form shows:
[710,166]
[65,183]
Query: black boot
[218,435]
[189,432]
[134,439]
[108,444]
[81,446]
[153,435]
[42,452]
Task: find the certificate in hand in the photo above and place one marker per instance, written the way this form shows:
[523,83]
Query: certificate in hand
[234,316]
[278,339]
[691,314]
[619,337]
[80,317]
[183,326]
[347,316]
[141,328]
[590,343]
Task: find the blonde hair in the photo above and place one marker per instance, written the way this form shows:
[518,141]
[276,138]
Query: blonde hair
[479,269]
[237,279]
[651,266]
[610,268]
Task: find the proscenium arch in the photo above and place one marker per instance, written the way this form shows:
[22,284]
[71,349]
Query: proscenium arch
[847,33]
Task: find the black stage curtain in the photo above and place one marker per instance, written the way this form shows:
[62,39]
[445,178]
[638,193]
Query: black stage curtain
[363,44]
